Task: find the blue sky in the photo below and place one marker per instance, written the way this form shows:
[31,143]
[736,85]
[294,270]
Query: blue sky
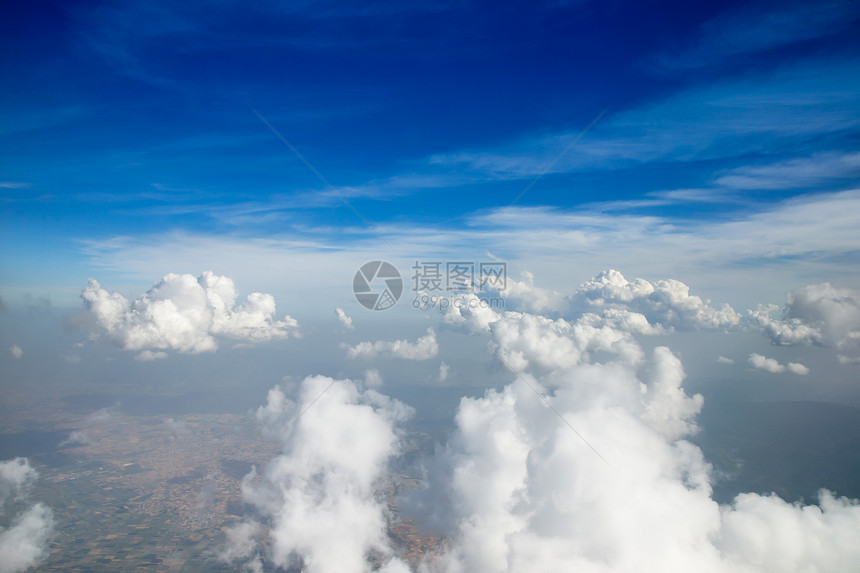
[134,127]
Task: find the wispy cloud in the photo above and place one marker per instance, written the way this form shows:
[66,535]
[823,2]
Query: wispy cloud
[722,120]
[792,173]
[759,26]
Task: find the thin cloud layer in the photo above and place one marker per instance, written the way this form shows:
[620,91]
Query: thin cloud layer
[185,314]
[24,542]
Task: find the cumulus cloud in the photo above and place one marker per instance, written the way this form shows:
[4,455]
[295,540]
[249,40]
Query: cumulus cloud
[525,341]
[814,315]
[344,319]
[797,368]
[185,314]
[524,491]
[724,360]
[16,351]
[820,314]
[524,295]
[319,493]
[24,542]
[424,348]
[664,303]
[772,365]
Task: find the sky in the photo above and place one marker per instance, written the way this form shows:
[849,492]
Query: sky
[672,189]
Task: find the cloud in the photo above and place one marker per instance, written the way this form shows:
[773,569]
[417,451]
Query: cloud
[524,489]
[765,363]
[373,379]
[81,437]
[424,348]
[185,314]
[793,173]
[526,296]
[797,368]
[241,541]
[78,437]
[344,319]
[14,185]
[667,304]
[24,541]
[17,476]
[816,314]
[149,356]
[16,351]
[443,371]
[757,27]
[723,119]
[771,365]
[319,493]
[724,360]
[177,427]
[523,341]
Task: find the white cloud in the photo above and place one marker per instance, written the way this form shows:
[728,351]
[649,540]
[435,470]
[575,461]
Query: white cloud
[793,173]
[241,541]
[764,363]
[77,437]
[783,331]
[344,319]
[24,542]
[443,371]
[526,296]
[16,351]
[816,314]
[716,253]
[177,427]
[724,360]
[772,365]
[319,493]
[373,379]
[149,356]
[184,313]
[524,490]
[525,341]
[424,348]
[767,534]
[797,368]
[16,478]
[666,304]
